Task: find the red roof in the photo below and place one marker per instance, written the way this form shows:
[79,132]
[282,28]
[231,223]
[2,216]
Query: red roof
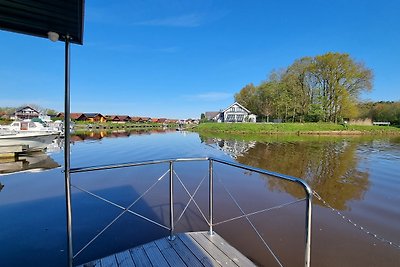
[135,119]
[76,116]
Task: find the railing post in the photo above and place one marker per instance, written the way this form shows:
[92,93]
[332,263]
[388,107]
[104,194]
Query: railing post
[67,162]
[308,228]
[171,201]
[210,196]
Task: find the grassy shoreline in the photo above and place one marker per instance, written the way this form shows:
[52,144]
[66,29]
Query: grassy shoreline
[295,128]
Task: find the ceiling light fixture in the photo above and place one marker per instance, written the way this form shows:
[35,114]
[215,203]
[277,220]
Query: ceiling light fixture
[53,36]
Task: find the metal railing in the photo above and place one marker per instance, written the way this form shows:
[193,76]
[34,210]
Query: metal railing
[209,220]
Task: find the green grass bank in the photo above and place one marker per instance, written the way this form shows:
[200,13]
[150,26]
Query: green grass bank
[296,128]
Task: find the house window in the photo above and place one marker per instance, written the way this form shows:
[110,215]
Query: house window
[240,117]
[230,117]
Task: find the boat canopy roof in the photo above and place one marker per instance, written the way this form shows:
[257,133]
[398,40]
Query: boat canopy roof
[37,18]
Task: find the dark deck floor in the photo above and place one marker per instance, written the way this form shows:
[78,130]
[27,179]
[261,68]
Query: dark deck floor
[188,249]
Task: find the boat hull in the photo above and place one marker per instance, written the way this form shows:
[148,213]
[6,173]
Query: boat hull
[34,141]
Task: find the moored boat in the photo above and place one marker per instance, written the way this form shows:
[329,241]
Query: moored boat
[36,141]
[29,126]
[30,133]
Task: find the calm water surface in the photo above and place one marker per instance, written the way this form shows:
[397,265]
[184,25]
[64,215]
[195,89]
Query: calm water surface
[357,176]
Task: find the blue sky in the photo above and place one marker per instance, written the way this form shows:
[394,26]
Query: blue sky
[179,58]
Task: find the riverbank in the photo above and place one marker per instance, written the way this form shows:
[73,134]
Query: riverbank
[295,128]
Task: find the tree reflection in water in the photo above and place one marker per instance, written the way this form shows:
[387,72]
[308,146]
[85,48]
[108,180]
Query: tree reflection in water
[329,166]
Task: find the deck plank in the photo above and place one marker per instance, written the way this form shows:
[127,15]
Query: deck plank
[195,249]
[229,250]
[110,261]
[95,263]
[155,256]
[184,252]
[140,257]
[169,253]
[214,251]
[124,259]
[198,251]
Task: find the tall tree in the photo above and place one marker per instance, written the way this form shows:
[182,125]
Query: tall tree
[340,80]
[266,102]
[247,97]
[325,87]
[299,83]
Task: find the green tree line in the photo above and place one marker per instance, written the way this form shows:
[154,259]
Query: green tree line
[321,88]
[387,111]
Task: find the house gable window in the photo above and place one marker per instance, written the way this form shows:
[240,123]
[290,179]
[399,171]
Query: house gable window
[230,118]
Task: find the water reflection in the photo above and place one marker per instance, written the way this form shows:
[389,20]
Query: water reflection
[98,135]
[37,161]
[233,148]
[32,161]
[330,167]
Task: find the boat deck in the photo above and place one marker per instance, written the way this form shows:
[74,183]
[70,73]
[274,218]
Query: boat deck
[188,249]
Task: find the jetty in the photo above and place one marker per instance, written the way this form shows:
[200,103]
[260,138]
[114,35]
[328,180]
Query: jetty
[186,249]
[11,151]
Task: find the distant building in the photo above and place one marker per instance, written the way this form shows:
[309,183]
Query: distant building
[95,117]
[118,118]
[212,115]
[144,119]
[190,121]
[26,113]
[73,116]
[233,113]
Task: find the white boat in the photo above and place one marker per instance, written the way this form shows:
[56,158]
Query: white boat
[26,126]
[32,134]
[34,141]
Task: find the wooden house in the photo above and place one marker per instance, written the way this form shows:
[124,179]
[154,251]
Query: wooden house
[95,117]
[112,118]
[135,119]
[145,119]
[124,118]
[118,118]
[74,116]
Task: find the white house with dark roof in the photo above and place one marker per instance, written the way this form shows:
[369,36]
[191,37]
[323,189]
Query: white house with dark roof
[26,112]
[233,113]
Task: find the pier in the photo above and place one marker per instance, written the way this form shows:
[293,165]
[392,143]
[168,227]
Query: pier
[7,152]
[187,249]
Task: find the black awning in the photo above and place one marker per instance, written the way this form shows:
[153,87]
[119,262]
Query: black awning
[38,17]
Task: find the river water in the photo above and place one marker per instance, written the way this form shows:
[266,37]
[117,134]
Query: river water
[357,176]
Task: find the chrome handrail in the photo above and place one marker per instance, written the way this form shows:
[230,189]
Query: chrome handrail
[133,164]
[210,222]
